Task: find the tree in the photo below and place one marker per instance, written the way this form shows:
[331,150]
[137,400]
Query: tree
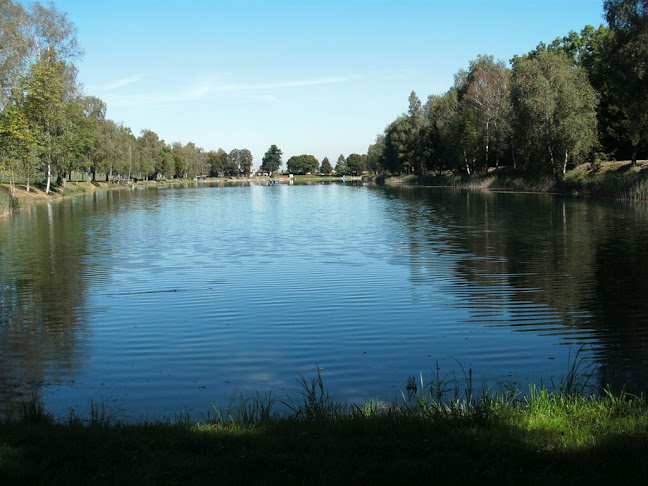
[242,158]
[44,107]
[168,162]
[485,87]
[302,164]
[555,108]
[593,49]
[628,21]
[194,160]
[14,48]
[150,153]
[230,167]
[375,154]
[179,160]
[215,160]
[326,168]
[356,163]
[17,145]
[402,153]
[271,160]
[52,32]
[340,166]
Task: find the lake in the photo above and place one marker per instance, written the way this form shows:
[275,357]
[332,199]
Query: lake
[159,301]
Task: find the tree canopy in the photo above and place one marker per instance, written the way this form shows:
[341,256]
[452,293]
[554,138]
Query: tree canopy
[271,160]
[302,164]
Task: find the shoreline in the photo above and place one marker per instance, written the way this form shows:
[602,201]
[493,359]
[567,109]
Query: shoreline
[78,188]
[547,436]
[605,181]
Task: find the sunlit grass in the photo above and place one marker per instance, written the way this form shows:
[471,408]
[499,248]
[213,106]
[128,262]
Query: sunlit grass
[438,430]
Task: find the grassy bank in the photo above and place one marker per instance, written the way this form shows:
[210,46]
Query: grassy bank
[609,180]
[545,437]
[37,193]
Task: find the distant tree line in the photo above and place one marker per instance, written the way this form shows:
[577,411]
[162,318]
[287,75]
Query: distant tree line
[582,97]
[50,130]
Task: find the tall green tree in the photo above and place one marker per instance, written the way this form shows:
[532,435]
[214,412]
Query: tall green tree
[403,149]
[230,166]
[15,44]
[485,87]
[326,167]
[555,108]
[216,159]
[17,145]
[271,160]
[375,155]
[340,166]
[594,50]
[179,160]
[628,21]
[243,160]
[302,164]
[356,163]
[44,107]
[150,153]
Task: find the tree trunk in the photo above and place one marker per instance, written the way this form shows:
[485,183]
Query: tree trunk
[487,141]
[551,159]
[48,174]
[12,185]
[564,167]
[497,150]
[634,156]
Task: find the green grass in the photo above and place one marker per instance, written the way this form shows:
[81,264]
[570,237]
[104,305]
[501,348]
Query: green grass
[608,180]
[544,436]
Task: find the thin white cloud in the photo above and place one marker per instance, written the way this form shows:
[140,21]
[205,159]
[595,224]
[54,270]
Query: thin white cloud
[286,84]
[117,84]
[245,92]
[194,94]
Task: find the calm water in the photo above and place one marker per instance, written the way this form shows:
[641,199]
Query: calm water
[157,301]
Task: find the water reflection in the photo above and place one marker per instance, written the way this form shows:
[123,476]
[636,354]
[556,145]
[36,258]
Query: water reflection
[42,299]
[162,298]
[565,267]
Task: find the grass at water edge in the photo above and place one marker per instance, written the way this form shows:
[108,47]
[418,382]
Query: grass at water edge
[544,435]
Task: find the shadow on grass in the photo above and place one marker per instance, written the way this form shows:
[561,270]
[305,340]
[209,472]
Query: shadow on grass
[382,448]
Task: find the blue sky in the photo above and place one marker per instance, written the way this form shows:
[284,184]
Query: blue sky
[319,77]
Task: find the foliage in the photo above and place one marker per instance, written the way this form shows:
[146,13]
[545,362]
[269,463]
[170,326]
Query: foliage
[216,160]
[302,164]
[356,163]
[555,109]
[271,160]
[326,168]
[628,20]
[340,166]
[242,159]
[485,88]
